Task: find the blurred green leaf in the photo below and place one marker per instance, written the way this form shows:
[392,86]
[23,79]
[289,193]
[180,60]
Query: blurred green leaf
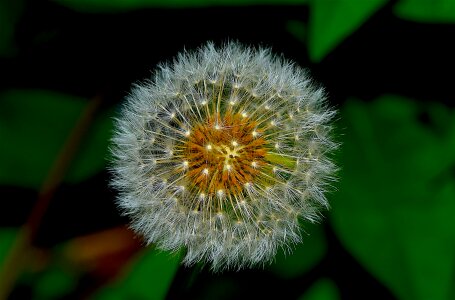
[441,11]
[149,277]
[331,21]
[395,205]
[122,5]
[10,12]
[323,289]
[7,237]
[54,283]
[93,152]
[304,256]
[34,125]
[297,29]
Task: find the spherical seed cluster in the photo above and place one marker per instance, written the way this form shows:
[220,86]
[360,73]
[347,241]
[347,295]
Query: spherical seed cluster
[223,152]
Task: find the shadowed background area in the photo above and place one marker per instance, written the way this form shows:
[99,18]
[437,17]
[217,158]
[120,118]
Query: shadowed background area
[66,66]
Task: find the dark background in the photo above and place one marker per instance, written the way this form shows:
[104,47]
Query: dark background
[389,233]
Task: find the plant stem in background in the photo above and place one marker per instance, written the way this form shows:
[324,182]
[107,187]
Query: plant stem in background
[19,251]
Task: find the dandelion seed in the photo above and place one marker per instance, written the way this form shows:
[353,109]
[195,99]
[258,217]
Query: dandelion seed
[220,167]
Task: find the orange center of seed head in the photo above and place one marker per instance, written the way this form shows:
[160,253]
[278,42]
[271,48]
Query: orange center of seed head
[224,155]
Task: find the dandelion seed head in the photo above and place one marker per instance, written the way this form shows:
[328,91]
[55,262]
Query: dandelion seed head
[222,152]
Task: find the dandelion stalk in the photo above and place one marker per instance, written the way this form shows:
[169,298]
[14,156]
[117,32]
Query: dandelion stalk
[222,152]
